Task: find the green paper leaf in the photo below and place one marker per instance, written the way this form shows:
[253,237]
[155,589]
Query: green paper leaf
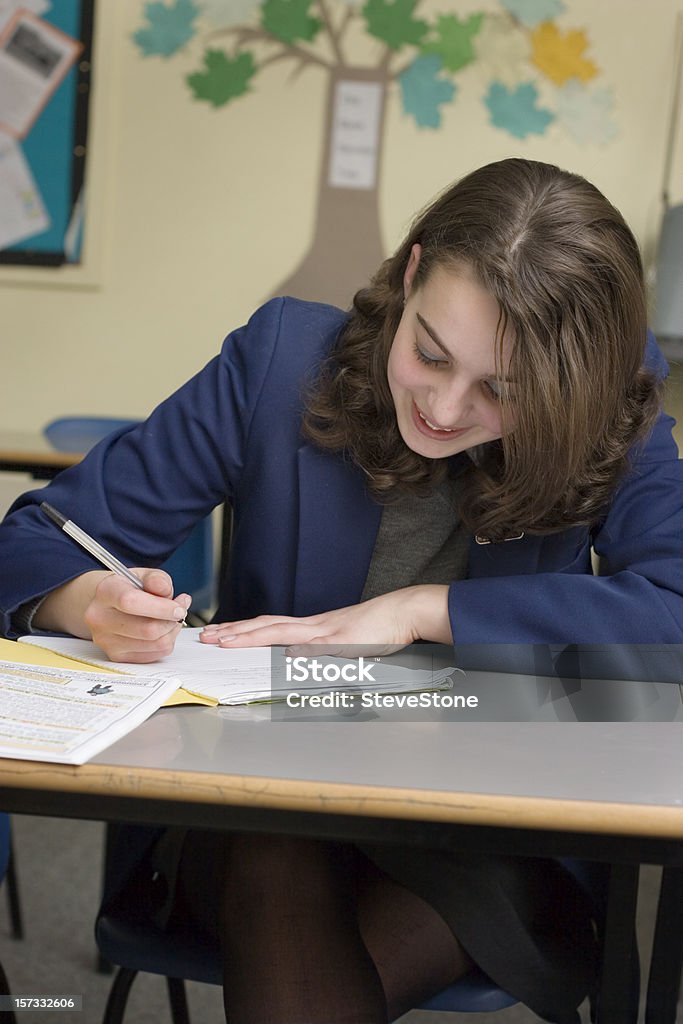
[453,40]
[224,79]
[392,21]
[289,20]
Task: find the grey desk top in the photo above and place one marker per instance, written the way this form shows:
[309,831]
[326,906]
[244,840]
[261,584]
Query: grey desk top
[632,763]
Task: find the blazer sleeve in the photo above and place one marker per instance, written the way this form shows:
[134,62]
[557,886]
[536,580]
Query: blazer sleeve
[637,598]
[141,490]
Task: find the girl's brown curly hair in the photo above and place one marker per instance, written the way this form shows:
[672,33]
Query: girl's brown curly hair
[567,275]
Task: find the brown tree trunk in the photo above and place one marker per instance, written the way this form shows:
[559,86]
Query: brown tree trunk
[347,244]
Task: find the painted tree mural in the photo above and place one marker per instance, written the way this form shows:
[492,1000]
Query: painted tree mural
[536,74]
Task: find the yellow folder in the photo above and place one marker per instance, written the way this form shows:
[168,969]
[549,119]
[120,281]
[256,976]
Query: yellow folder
[29,654]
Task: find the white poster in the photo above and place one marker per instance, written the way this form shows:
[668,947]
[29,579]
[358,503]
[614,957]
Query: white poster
[22,212]
[34,57]
[355,128]
[9,7]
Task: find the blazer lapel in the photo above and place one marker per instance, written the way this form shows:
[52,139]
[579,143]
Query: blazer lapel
[338,524]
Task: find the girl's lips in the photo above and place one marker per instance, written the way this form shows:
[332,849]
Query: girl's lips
[436,435]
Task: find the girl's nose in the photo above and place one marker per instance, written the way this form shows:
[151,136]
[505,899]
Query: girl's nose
[450,405]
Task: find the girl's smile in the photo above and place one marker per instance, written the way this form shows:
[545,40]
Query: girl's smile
[431,430]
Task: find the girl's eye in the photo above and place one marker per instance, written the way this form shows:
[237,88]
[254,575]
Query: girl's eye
[428,360]
[496,391]
[492,390]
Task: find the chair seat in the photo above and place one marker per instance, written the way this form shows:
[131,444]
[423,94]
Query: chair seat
[474,993]
[178,953]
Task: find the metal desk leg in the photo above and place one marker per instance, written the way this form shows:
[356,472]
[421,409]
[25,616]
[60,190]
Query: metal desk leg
[664,982]
[618,997]
[103,965]
[13,900]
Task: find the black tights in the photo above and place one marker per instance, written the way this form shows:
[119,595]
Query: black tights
[313,933]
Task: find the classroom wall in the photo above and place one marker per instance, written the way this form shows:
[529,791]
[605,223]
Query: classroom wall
[197,214]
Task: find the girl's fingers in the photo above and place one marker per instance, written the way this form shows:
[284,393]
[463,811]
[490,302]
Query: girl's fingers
[239,625]
[280,634]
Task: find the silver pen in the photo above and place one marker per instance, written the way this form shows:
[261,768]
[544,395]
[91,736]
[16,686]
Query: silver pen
[91,545]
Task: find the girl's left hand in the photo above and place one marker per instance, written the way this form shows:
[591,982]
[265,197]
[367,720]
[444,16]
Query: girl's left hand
[382,625]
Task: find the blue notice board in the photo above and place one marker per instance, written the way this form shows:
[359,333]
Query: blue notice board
[55,148]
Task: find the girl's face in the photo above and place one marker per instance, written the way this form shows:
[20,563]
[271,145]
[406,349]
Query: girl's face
[442,367]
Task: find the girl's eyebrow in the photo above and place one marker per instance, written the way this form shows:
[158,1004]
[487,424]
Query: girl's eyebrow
[437,341]
[433,335]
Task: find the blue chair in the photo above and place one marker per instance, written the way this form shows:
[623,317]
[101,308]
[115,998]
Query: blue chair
[192,564]
[8,871]
[182,953]
[4,843]
[4,860]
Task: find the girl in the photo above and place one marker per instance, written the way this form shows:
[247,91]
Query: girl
[435,464]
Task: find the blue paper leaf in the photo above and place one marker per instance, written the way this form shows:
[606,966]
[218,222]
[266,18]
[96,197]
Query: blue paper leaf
[515,110]
[586,115]
[220,13]
[423,91]
[168,28]
[533,12]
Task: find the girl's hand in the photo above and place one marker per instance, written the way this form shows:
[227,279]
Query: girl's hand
[136,625]
[380,626]
[127,623]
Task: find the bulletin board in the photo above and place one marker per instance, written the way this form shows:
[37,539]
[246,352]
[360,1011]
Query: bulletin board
[45,73]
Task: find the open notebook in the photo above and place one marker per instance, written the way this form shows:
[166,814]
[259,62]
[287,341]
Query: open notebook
[233,676]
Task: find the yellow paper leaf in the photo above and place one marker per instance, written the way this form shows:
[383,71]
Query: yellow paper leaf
[560,57]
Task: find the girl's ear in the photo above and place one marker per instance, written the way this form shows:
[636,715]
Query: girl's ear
[411,269]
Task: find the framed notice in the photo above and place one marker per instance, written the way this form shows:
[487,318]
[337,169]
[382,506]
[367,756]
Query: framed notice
[45,69]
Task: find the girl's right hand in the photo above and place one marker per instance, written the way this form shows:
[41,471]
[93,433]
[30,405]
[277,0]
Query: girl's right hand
[136,625]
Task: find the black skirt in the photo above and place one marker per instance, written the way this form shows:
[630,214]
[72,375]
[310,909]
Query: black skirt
[525,921]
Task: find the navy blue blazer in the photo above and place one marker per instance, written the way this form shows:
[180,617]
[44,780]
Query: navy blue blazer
[305,524]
